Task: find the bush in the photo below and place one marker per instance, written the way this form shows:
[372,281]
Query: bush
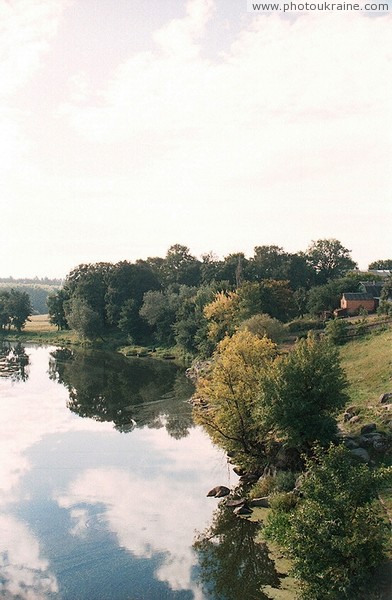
[334,535]
[336,331]
[304,324]
[263,324]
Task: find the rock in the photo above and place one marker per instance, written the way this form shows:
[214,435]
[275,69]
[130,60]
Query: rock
[355,419]
[236,503]
[361,453]
[219,491]
[239,471]
[351,411]
[249,478]
[350,444]
[380,445]
[260,502]
[242,510]
[385,398]
[369,428]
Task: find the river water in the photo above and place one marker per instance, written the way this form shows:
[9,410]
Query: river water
[103,483]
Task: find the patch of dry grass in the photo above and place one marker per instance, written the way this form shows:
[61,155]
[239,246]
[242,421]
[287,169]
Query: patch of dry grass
[39,324]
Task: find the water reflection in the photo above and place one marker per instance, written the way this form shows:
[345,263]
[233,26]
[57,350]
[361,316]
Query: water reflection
[89,513]
[13,362]
[24,573]
[128,392]
[233,564]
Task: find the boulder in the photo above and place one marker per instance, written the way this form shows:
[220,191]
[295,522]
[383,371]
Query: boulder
[368,428]
[361,453]
[239,471]
[236,503]
[219,491]
[242,511]
[385,398]
[355,419]
[260,502]
[350,444]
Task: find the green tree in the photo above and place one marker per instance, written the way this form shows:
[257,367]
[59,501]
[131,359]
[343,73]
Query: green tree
[89,282]
[336,331]
[5,316]
[335,536]
[381,265]
[19,308]
[262,325]
[309,390]
[329,259]
[127,281]
[180,267]
[83,319]
[56,309]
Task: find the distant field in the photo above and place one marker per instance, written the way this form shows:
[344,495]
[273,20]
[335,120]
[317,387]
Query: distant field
[39,324]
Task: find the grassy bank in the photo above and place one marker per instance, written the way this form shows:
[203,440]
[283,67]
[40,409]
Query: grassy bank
[39,330]
[367,362]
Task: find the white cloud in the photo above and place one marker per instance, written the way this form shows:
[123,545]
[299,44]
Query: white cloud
[26,28]
[284,138]
[155,514]
[24,573]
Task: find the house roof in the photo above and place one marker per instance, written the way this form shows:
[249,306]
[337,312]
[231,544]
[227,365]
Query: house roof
[372,288]
[357,296]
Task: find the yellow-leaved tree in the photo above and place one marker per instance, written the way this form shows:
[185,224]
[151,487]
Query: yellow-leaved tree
[233,405]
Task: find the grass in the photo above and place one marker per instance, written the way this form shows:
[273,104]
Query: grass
[39,330]
[367,362]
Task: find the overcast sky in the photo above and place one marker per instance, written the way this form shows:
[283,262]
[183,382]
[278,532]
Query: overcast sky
[129,125]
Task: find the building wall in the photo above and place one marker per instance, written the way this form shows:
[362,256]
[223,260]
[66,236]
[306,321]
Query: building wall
[353,306]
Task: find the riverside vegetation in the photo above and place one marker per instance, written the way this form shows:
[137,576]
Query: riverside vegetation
[280,394]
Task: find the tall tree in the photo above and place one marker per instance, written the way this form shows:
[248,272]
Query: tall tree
[230,395]
[381,265]
[330,259]
[180,267]
[309,390]
[19,308]
[56,309]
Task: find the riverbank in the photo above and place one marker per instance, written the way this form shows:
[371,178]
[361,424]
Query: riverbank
[39,330]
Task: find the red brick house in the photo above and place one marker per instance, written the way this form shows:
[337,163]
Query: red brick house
[352,302]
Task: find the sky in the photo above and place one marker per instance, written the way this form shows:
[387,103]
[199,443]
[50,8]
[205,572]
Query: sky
[127,126]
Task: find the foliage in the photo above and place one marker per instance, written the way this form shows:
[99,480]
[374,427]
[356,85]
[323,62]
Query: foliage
[304,324]
[150,392]
[381,265]
[83,319]
[309,390]
[334,536]
[56,308]
[233,563]
[221,314]
[272,262]
[15,309]
[262,325]
[330,259]
[336,331]
[230,393]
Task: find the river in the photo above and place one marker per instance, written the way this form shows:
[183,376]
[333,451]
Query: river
[103,483]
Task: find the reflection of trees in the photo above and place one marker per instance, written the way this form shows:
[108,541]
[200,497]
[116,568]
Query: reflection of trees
[109,387]
[233,565]
[14,362]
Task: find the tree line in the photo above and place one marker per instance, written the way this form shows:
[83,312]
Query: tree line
[191,302]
